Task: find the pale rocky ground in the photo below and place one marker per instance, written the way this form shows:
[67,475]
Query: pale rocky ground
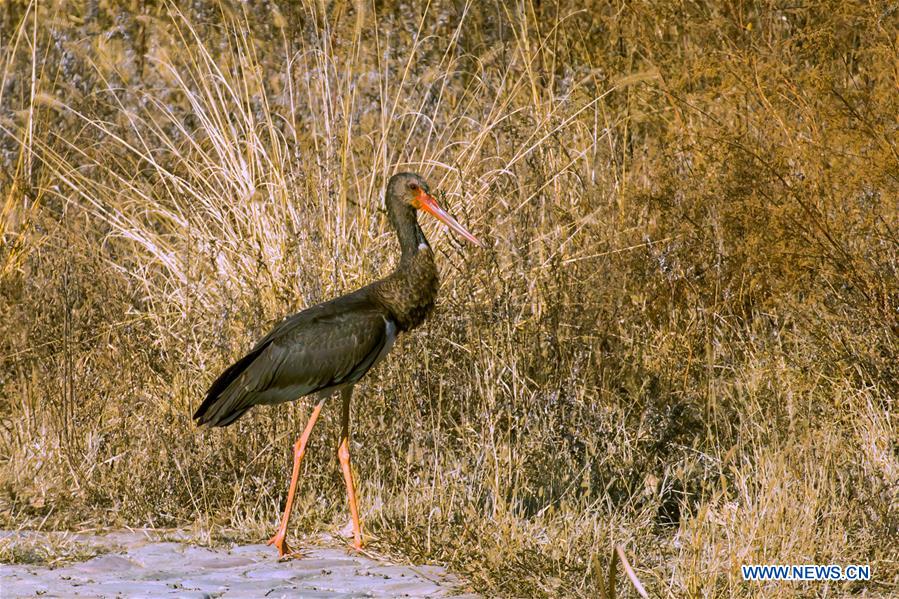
[145,564]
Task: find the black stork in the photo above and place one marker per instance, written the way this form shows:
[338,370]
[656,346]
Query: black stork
[327,348]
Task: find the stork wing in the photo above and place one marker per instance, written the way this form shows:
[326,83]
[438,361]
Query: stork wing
[331,344]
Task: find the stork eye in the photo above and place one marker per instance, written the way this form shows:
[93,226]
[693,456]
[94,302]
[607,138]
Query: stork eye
[413,186]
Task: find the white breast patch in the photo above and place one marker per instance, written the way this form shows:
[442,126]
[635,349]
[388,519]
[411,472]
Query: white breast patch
[390,333]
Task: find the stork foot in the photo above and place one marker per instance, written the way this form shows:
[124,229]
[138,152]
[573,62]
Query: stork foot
[348,533]
[280,541]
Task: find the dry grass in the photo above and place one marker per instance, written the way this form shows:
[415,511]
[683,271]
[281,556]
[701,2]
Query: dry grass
[46,549]
[682,338]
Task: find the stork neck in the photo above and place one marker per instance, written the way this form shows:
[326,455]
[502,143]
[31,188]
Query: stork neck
[409,233]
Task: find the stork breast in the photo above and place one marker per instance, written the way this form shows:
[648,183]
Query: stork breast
[390,332]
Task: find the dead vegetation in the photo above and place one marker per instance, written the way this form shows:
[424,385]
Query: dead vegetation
[682,338]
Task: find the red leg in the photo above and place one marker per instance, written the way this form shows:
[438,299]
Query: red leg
[343,454]
[299,449]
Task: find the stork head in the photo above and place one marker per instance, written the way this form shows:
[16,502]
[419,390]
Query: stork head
[408,192]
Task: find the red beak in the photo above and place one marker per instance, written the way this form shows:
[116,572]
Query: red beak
[426,202]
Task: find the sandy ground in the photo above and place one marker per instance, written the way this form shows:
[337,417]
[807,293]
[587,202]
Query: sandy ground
[141,564]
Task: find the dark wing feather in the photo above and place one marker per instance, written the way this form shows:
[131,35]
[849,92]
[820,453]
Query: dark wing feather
[225,379]
[320,348]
